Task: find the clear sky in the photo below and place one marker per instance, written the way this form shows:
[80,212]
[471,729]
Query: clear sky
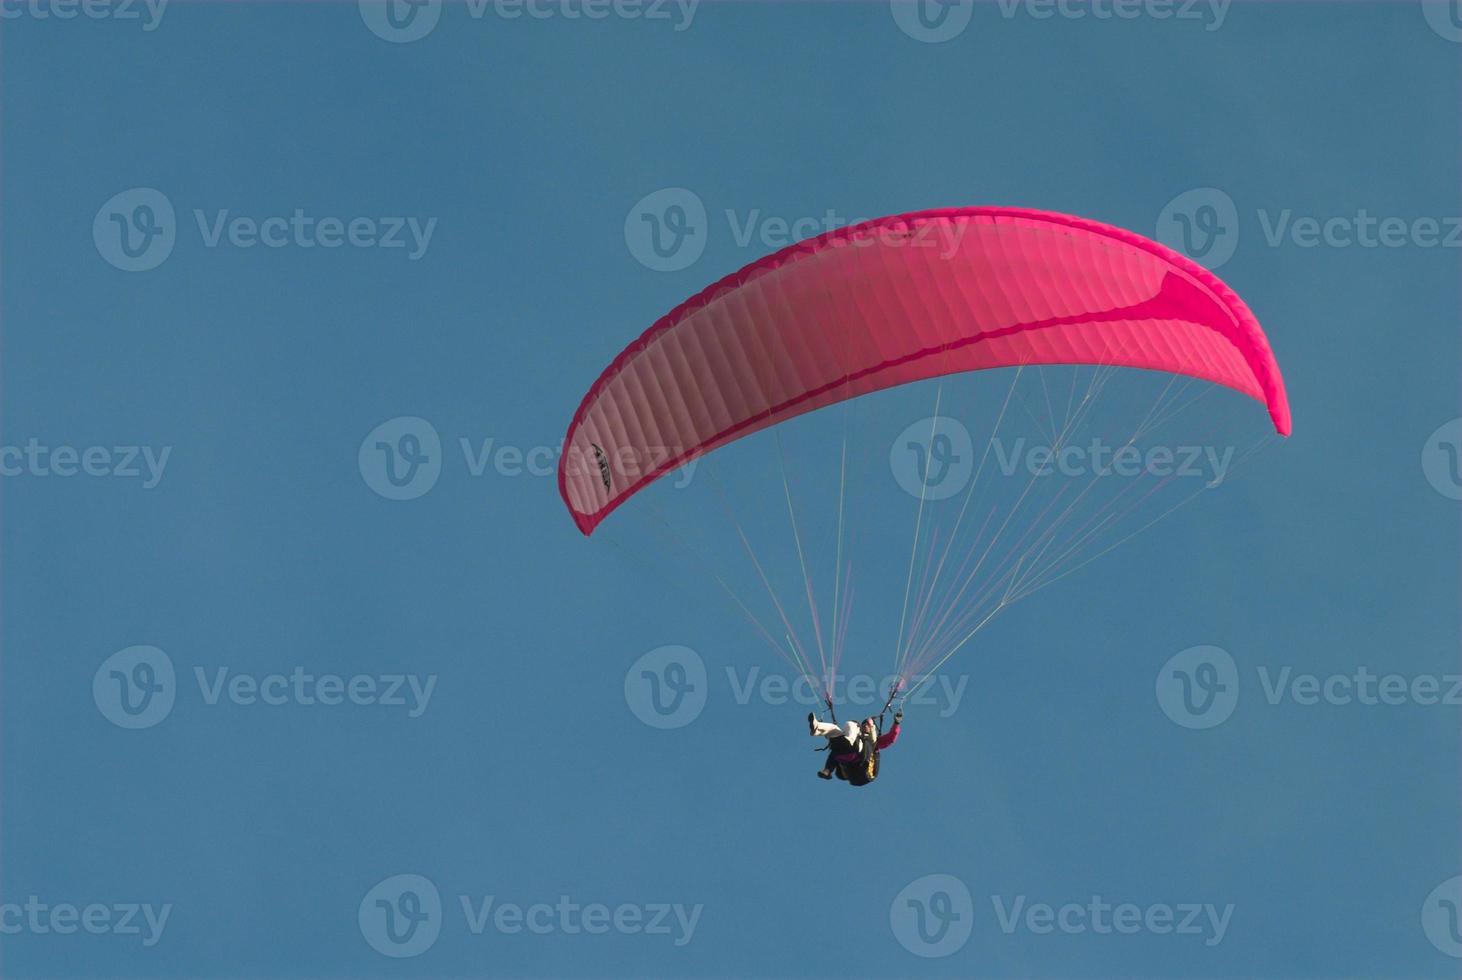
[216,400]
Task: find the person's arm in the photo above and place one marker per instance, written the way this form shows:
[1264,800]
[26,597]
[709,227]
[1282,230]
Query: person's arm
[892,735]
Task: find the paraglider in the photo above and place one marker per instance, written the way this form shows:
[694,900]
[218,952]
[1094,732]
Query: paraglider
[864,307]
[854,749]
[872,307]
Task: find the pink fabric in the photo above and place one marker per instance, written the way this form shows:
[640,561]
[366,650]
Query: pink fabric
[884,741]
[896,300]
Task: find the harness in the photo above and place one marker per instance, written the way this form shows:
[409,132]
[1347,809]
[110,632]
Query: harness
[868,763]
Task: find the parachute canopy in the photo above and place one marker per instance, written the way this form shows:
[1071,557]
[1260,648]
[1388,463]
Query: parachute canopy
[892,301]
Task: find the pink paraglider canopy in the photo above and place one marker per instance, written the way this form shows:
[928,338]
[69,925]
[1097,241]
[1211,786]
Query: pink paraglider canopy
[895,300]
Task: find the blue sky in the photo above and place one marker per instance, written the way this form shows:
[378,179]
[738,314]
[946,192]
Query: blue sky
[240,382]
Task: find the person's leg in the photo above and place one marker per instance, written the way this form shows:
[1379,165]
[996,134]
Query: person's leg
[825,729]
[836,745]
